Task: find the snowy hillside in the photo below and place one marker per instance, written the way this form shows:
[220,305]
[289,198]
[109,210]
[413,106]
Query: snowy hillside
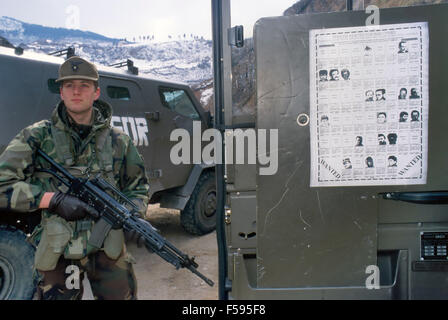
[18,32]
[187,61]
[184,60]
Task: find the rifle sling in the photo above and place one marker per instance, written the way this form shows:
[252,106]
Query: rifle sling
[100,230]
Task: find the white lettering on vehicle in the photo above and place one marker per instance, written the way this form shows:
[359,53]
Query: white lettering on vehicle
[136,128]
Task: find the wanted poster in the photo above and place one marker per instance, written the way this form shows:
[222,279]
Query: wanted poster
[369,105]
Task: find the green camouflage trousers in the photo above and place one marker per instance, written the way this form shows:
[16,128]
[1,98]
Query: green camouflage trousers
[109,279]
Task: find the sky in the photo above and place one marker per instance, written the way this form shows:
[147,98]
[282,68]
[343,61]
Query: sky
[134,18]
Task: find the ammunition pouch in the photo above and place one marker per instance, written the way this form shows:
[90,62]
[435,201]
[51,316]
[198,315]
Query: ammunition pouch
[56,233]
[59,237]
[113,244]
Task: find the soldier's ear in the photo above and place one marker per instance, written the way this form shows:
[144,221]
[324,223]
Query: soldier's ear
[97,93]
[60,91]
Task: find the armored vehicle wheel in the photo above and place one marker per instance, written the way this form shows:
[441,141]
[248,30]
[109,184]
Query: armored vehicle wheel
[16,265]
[199,215]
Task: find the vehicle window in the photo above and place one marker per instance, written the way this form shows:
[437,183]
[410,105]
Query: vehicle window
[120,93]
[178,101]
[53,87]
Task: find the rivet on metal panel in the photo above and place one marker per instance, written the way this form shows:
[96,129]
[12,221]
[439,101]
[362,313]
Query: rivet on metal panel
[303,119]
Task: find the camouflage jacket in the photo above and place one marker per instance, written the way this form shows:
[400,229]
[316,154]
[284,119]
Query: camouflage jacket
[21,188]
[105,150]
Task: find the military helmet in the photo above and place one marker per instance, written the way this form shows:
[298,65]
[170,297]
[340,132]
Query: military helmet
[76,68]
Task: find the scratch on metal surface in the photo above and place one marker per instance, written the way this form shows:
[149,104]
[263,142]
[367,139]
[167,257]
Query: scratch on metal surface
[288,82]
[303,43]
[303,220]
[320,208]
[357,224]
[276,205]
[261,273]
[268,214]
[260,269]
[308,271]
[292,175]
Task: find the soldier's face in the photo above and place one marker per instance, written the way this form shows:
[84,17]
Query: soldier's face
[79,95]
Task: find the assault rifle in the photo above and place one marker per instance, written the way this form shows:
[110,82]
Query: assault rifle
[113,213]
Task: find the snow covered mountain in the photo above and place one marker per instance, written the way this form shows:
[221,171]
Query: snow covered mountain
[18,32]
[188,61]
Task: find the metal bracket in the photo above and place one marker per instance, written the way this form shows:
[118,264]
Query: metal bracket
[154,116]
[128,63]
[235,36]
[69,52]
[154,174]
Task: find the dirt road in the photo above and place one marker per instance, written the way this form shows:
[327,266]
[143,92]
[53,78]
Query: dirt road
[159,280]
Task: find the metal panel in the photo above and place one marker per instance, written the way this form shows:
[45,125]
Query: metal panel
[243,220]
[326,236]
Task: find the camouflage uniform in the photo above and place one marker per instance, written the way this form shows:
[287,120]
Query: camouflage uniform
[104,150]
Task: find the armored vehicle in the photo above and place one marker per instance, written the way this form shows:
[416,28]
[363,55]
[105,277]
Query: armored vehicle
[147,109]
[348,214]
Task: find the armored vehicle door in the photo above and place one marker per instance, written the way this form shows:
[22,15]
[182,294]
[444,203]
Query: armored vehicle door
[348,211]
[173,109]
[141,110]
[126,99]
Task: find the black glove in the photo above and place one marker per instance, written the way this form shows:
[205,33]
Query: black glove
[70,208]
[132,235]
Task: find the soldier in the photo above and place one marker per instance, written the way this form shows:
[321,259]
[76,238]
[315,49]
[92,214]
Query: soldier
[79,137]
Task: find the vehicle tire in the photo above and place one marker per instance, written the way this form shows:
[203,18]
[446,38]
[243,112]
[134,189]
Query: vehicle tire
[199,215]
[16,265]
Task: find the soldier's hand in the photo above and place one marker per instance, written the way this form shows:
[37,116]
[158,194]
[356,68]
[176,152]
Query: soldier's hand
[132,235]
[70,208]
